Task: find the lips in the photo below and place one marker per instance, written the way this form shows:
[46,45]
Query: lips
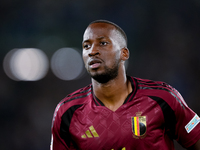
[94,63]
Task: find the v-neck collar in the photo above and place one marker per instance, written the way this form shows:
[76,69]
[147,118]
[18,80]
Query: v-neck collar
[128,98]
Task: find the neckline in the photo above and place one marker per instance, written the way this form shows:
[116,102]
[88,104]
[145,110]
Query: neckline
[128,98]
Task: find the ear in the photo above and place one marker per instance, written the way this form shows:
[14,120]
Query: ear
[124,53]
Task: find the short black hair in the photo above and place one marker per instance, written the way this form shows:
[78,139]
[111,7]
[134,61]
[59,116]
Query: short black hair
[121,31]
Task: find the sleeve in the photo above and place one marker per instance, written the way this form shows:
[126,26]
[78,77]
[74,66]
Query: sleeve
[57,143]
[187,127]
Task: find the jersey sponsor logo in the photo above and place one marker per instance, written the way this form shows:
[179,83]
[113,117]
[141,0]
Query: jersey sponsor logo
[139,125]
[91,133]
[193,123]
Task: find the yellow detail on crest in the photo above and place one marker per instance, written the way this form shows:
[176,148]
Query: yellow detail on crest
[135,125]
[139,125]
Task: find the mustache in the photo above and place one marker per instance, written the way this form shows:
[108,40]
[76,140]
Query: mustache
[94,60]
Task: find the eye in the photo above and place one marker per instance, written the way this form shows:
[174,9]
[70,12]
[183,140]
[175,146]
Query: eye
[103,43]
[86,46]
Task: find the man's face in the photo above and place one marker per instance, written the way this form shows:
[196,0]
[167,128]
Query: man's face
[101,51]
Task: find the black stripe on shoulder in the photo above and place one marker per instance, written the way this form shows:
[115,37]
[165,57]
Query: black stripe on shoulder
[149,84]
[68,99]
[164,87]
[65,123]
[77,97]
[169,116]
[83,90]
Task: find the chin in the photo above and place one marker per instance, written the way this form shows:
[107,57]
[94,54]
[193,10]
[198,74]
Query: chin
[101,79]
[104,77]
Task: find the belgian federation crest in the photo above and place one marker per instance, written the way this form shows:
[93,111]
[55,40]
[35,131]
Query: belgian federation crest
[139,126]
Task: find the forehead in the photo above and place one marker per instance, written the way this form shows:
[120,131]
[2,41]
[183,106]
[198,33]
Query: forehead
[99,30]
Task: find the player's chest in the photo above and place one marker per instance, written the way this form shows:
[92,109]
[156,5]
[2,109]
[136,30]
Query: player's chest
[96,127]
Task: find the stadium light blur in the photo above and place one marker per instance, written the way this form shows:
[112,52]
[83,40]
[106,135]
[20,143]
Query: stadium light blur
[67,64]
[26,64]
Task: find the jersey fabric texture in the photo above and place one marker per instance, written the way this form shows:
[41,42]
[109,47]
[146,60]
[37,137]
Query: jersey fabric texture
[151,117]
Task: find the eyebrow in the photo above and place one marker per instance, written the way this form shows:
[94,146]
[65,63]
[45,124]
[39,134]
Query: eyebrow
[85,41]
[98,38]
[101,37]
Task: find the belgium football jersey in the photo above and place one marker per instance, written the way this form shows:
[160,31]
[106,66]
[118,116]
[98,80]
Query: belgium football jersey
[152,116]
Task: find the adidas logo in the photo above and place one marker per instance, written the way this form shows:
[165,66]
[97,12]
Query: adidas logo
[91,133]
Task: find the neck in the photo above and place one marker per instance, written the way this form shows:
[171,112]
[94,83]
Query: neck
[113,93]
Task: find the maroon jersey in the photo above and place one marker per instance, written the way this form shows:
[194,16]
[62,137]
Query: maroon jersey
[151,117]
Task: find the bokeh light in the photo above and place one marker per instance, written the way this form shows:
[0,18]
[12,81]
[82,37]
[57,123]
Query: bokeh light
[26,64]
[67,64]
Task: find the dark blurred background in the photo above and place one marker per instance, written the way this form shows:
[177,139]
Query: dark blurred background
[163,38]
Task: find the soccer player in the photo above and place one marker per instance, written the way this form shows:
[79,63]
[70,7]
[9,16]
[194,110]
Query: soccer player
[117,111]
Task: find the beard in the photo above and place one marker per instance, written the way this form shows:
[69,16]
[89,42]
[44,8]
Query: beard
[107,75]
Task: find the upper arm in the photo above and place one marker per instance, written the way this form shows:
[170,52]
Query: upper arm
[187,127]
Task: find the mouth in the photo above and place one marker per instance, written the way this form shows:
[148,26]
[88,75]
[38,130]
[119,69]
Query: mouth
[94,63]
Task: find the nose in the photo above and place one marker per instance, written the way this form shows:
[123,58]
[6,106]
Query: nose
[94,51]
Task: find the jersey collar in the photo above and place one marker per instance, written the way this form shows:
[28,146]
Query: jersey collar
[129,97]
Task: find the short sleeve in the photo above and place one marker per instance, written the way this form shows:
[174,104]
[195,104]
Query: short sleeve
[187,123]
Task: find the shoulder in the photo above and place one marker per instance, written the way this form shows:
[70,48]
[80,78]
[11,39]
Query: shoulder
[151,84]
[160,90]
[78,98]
